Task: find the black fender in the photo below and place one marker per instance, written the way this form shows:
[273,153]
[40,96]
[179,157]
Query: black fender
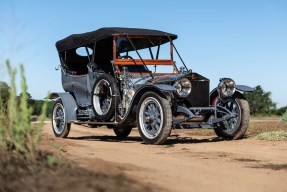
[213,94]
[161,89]
[69,104]
[241,88]
[244,88]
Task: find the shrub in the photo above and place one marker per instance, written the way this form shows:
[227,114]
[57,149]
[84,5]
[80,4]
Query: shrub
[16,132]
[284,117]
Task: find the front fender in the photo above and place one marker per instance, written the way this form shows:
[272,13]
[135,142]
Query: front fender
[239,88]
[160,89]
[69,104]
[244,88]
[213,94]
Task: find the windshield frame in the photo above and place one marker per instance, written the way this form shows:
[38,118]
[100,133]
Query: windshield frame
[142,61]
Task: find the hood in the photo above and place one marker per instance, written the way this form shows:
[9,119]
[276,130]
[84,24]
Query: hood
[166,78]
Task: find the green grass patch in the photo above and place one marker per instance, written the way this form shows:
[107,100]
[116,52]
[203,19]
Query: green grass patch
[52,160]
[273,136]
[58,147]
[17,135]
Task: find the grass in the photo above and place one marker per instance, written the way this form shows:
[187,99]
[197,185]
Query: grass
[58,147]
[266,124]
[17,135]
[273,136]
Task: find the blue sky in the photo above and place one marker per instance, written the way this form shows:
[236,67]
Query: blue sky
[245,40]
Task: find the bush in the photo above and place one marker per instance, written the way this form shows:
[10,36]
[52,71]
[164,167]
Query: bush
[16,132]
[284,117]
[37,107]
[280,111]
[260,102]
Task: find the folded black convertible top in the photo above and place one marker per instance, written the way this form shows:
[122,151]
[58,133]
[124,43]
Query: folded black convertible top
[79,40]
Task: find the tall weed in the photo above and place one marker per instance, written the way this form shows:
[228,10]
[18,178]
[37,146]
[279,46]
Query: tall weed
[16,131]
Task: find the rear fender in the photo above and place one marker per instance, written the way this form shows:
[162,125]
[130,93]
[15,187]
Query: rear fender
[69,104]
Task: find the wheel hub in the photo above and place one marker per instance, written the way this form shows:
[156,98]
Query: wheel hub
[152,118]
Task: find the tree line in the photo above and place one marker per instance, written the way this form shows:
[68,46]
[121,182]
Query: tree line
[34,104]
[261,104]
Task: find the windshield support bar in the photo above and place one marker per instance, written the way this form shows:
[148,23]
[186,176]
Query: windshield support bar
[151,54]
[94,50]
[177,53]
[87,50]
[157,52]
[139,55]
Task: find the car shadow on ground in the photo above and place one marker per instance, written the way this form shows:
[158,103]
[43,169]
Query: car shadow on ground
[133,139]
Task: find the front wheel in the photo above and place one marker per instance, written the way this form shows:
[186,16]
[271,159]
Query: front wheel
[154,118]
[60,127]
[235,127]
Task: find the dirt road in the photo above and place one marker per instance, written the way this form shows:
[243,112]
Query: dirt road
[185,163]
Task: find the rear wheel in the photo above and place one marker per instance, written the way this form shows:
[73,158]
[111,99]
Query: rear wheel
[154,118]
[59,122]
[122,132]
[105,97]
[236,126]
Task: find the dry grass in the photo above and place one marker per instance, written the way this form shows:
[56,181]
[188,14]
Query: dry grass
[257,125]
[273,136]
[267,124]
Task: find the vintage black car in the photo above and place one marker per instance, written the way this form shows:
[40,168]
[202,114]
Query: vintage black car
[124,78]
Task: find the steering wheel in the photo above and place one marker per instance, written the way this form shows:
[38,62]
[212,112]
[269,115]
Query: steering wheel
[126,57]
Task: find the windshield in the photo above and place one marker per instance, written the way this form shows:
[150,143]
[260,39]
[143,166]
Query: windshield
[155,52]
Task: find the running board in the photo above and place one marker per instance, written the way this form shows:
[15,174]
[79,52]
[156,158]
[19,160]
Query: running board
[94,122]
[194,126]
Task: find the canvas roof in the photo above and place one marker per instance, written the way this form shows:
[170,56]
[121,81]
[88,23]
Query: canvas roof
[79,40]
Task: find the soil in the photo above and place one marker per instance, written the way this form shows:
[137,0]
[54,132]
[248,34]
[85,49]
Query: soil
[187,162]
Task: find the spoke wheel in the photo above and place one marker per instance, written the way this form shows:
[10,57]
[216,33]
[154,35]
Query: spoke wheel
[151,115]
[102,97]
[105,97]
[154,118]
[235,126]
[60,127]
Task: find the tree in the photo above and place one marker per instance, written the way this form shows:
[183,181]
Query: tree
[260,102]
[30,101]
